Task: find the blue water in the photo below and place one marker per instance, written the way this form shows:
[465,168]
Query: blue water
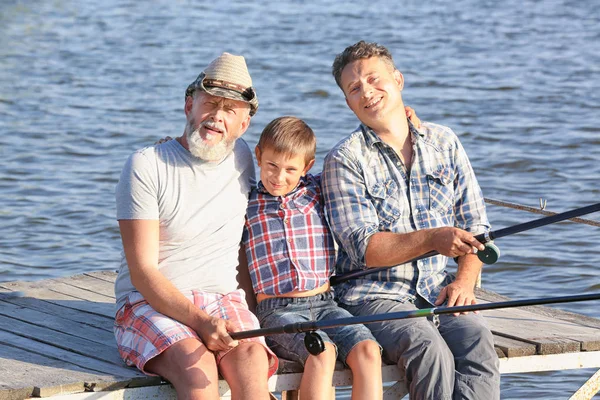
[85,83]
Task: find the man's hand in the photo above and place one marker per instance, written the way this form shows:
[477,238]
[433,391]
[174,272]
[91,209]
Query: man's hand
[457,294]
[214,333]
[454,242]
[412,116]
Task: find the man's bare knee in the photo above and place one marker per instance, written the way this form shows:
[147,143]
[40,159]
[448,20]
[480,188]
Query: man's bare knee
[246,370]
[247,352]
[188,365]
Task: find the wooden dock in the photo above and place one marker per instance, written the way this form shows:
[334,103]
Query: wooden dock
[56,341]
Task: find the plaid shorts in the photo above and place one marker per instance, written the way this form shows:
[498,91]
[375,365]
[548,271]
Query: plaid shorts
[143,333]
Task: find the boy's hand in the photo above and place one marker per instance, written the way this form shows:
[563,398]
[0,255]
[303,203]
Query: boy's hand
[166,139]
[412,115]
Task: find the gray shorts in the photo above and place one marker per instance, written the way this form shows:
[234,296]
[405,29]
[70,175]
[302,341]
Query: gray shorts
[455,360]
[275,312]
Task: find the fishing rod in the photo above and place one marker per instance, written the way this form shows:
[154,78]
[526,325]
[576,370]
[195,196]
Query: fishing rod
[491,253]
[315,345]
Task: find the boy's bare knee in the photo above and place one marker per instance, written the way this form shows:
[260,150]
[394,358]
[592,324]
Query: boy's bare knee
[324,361]
[366,352]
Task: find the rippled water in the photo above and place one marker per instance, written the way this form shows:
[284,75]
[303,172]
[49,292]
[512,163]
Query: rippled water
[83,84]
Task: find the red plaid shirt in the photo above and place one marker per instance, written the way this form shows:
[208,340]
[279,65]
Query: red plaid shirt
[287,239]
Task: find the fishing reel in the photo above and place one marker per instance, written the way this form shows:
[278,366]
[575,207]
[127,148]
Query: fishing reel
[314,343]
[489,255]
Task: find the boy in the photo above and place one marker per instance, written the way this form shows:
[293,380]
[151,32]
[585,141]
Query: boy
[291,255]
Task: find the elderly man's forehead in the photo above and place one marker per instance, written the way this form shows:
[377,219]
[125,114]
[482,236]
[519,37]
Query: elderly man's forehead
[218,99]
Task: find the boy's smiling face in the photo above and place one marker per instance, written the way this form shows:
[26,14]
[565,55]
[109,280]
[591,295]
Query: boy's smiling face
[279,172]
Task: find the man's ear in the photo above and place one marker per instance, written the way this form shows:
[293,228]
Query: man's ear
[399,79]
[308,166]
[189,103]
[257,154]
[245,124]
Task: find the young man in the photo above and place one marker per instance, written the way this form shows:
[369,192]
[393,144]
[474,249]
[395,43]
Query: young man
[394,192]
[181,208]
[290,254]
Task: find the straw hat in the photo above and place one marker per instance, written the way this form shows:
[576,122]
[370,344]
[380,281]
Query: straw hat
[227,76]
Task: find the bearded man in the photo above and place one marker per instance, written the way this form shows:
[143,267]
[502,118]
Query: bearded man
[181,207]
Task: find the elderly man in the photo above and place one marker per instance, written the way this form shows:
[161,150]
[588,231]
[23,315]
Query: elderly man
[181,208]
[395,192]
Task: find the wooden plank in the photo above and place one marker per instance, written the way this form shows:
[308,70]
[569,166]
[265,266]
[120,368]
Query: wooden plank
[533,329]
[91,284]
[97,321]
[550,335]
[589,389]
[60,286]
[551,362]
[578,319]
[587,343]
[57,286]
[61,340]
[513,348]
[14,344]
[278,383]
[108,276]
[35,290]
[288,366]
[24,373]
[163,392]
[57,323]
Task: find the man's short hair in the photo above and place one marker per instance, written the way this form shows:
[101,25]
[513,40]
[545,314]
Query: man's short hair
[359,51]
[290,136]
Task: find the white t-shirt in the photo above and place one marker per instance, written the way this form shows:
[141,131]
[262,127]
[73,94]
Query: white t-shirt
[200,206]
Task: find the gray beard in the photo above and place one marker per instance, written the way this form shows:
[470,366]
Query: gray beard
[198,148]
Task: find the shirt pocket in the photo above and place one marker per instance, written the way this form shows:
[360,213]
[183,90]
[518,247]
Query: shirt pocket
[441,189]
[384,196]
[308,203]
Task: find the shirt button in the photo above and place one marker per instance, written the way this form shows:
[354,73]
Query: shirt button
[289,240]
[398,163]
[287,221]
[283,206]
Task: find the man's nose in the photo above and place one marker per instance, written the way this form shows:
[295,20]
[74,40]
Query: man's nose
[218,115]
[367,90]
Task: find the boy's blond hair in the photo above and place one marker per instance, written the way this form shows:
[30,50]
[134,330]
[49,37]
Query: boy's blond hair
[289,136]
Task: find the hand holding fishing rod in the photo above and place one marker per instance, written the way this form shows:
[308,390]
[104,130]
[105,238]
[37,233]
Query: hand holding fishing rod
[491,253]
[315,345]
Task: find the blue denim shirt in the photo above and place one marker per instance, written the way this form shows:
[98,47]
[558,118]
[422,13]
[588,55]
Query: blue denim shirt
[367,190]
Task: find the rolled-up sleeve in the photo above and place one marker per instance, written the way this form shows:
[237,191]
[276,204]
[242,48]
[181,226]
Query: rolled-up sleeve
[469,207]
[352,217]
